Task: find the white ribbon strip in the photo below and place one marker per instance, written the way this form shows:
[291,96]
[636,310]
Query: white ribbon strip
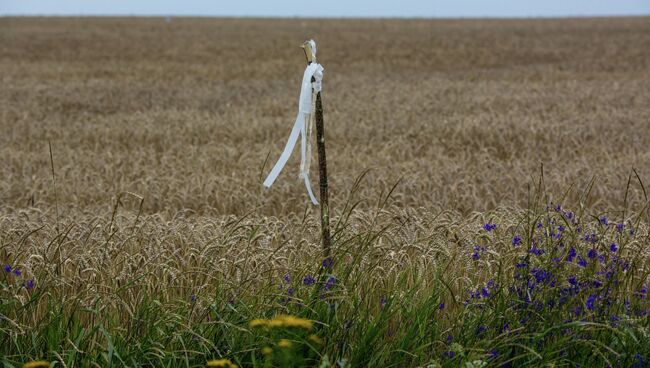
[305,112]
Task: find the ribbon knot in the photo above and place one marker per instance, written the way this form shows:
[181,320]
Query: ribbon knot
[302,126]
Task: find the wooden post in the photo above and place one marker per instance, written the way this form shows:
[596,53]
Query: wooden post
[322,168]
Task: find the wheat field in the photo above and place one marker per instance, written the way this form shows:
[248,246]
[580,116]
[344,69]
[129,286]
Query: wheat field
[135,231]
[184,113]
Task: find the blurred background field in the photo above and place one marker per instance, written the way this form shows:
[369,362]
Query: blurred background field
[184,112]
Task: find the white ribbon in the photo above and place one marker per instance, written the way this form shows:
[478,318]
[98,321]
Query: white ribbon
[305,113]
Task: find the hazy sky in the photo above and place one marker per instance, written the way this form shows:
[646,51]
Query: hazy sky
[330,8]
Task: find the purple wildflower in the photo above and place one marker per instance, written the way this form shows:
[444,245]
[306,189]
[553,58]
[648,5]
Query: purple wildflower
[582,262]
[613,248]
[17,272]
[290,291]
[619,227]
[441,306]
[572,254]
[308,280]
[448,354]
[573,280]
[604,221]
[516,240]
[592,253]
[287,278]
[485,293]
[489,227]
[330,283]
[577,311]
[7,268]
[639,361]
[29,284]
[328,262]
[591,301]
[492,354]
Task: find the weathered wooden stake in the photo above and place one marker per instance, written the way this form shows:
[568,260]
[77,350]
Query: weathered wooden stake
[322,168]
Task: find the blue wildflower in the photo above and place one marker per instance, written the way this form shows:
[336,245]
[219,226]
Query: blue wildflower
[485,293]
[17,272]
[330,282]
[290,291]
[328,262]
[29,284]
[448,354]
[308,280]
[613,248]
[7,268]
[573,280]
[536,251]
[640,362]
[604,221]
[582,262]
[516,240]
[287,278]
[572,254]
[591,301]
[577,311]
[592,253]
[619,227]
[441,306]
[489,227]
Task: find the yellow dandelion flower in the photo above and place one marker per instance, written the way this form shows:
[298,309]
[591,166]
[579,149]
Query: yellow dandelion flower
[267,350]
[284,343]
[292,321]
[258,323]
[221,363]
[276,323]
[315,339]
[39,363]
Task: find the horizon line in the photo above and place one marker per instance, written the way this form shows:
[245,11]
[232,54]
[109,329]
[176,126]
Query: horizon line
[342,17]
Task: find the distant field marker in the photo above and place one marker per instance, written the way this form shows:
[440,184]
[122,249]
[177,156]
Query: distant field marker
[310,110]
